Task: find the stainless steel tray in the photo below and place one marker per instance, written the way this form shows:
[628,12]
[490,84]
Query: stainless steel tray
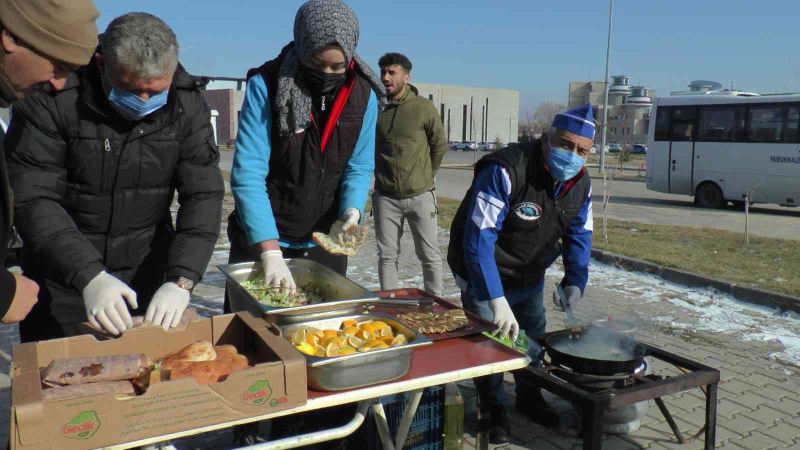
[360,369]
[339,295]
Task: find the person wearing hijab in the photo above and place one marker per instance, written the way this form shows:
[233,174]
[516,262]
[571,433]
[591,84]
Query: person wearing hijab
[305,146]
[305,153]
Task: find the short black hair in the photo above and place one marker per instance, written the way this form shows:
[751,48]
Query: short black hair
[391,59]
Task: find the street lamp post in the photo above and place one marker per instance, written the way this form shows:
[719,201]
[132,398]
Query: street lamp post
[605,95]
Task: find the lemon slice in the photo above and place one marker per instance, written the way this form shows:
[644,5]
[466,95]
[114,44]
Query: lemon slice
[320,351]
[297,336]
[398,340]
[355,342]
[380,346]
[385,332]
[314,331]
[332,350]
[344,351]
[306,348]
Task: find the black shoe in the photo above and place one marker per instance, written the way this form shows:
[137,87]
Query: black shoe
[533,405]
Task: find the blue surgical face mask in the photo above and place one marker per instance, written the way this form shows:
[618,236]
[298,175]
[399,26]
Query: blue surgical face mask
[564,164]
[132,107]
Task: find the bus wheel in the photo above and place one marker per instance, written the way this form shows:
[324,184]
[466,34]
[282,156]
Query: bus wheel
[709,195]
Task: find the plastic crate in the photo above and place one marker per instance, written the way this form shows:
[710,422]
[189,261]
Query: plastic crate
[426,428]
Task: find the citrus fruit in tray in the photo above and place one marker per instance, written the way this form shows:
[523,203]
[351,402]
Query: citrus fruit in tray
[351,337]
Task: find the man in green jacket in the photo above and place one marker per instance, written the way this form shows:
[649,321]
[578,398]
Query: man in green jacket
[409,149]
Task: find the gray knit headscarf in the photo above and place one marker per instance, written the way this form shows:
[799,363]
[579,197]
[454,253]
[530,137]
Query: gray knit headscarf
[318,23]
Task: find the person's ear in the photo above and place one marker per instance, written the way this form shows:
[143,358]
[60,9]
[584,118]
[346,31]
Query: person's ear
[407,77]
[9,42]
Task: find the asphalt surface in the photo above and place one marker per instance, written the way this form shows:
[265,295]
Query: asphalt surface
[631,201]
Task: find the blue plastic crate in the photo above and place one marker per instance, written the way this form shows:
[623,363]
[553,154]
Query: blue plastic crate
[426,428]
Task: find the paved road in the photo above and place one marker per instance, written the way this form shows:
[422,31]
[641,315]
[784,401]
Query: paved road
[631,201]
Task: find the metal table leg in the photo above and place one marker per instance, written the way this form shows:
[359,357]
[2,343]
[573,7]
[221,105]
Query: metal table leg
[382,425]
[405,422]
[711,416]
[408,416]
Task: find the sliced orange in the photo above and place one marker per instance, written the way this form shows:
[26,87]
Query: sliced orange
[350,330]
[330,333]
[387,339]
[312,339]
[349,323]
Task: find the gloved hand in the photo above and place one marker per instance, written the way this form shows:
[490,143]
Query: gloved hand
[276,272]
[349,219]
[104,298]
[167,306]
[504,318]
[573,297]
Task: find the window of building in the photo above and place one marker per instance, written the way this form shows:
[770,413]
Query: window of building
[766,123]
[790,131]
[723,124]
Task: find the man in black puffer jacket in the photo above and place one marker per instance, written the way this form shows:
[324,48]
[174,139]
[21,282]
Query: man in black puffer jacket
[94,169]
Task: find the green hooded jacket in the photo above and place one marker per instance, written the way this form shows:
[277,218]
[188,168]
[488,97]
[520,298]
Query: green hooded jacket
[410,145]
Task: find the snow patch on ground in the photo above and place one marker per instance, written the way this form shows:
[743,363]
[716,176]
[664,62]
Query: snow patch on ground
[702,309]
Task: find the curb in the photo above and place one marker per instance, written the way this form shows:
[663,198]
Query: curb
[744,293]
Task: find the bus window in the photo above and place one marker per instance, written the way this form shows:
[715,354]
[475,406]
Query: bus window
[766,123]
[790,130]
[682,131]
[724,124]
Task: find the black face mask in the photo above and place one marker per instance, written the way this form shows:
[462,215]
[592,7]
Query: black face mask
[321,83]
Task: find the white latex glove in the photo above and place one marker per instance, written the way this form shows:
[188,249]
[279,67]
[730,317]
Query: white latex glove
[167,306]
[573,294]
[504,318]
[104,298]
[276,272]
[349,219]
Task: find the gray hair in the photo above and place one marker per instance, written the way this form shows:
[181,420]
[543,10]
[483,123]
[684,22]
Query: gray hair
[140,44]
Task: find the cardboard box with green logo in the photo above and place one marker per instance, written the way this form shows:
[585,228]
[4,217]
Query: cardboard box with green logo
[275,381]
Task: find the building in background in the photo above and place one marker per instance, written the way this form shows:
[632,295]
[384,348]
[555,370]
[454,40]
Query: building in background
[474,113]
[467,113]
[628,107]
[225,96]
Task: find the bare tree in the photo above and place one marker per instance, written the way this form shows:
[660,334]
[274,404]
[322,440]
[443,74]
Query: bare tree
[545,113]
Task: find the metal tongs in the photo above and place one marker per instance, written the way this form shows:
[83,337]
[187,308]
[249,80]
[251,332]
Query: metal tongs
[572,322]
[421,303]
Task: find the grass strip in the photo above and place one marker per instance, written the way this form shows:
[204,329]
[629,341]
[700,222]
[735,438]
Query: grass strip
[771,264]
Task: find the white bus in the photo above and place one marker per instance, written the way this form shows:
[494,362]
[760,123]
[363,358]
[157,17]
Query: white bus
[718,148]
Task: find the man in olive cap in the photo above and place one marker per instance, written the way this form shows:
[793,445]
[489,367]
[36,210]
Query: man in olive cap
[41,41]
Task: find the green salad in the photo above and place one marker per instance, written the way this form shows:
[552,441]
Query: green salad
[277,297]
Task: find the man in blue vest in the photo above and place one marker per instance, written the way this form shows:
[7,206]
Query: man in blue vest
[527,205]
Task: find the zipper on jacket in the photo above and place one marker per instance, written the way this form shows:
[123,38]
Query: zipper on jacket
[106,165]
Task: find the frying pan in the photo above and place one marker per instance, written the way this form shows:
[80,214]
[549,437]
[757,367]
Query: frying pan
[595,350]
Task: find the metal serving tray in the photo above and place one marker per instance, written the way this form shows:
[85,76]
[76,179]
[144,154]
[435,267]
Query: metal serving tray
[339,295]
[359,369]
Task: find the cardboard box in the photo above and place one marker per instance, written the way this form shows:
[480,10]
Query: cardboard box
[276,382]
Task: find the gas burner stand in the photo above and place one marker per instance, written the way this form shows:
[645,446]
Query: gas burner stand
[592,405]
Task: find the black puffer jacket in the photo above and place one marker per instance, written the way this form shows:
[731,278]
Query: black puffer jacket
[93,190]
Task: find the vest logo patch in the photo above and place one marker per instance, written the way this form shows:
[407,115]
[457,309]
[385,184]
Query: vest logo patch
[528,211]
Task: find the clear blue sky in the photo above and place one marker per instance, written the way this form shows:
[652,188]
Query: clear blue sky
[536,47]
